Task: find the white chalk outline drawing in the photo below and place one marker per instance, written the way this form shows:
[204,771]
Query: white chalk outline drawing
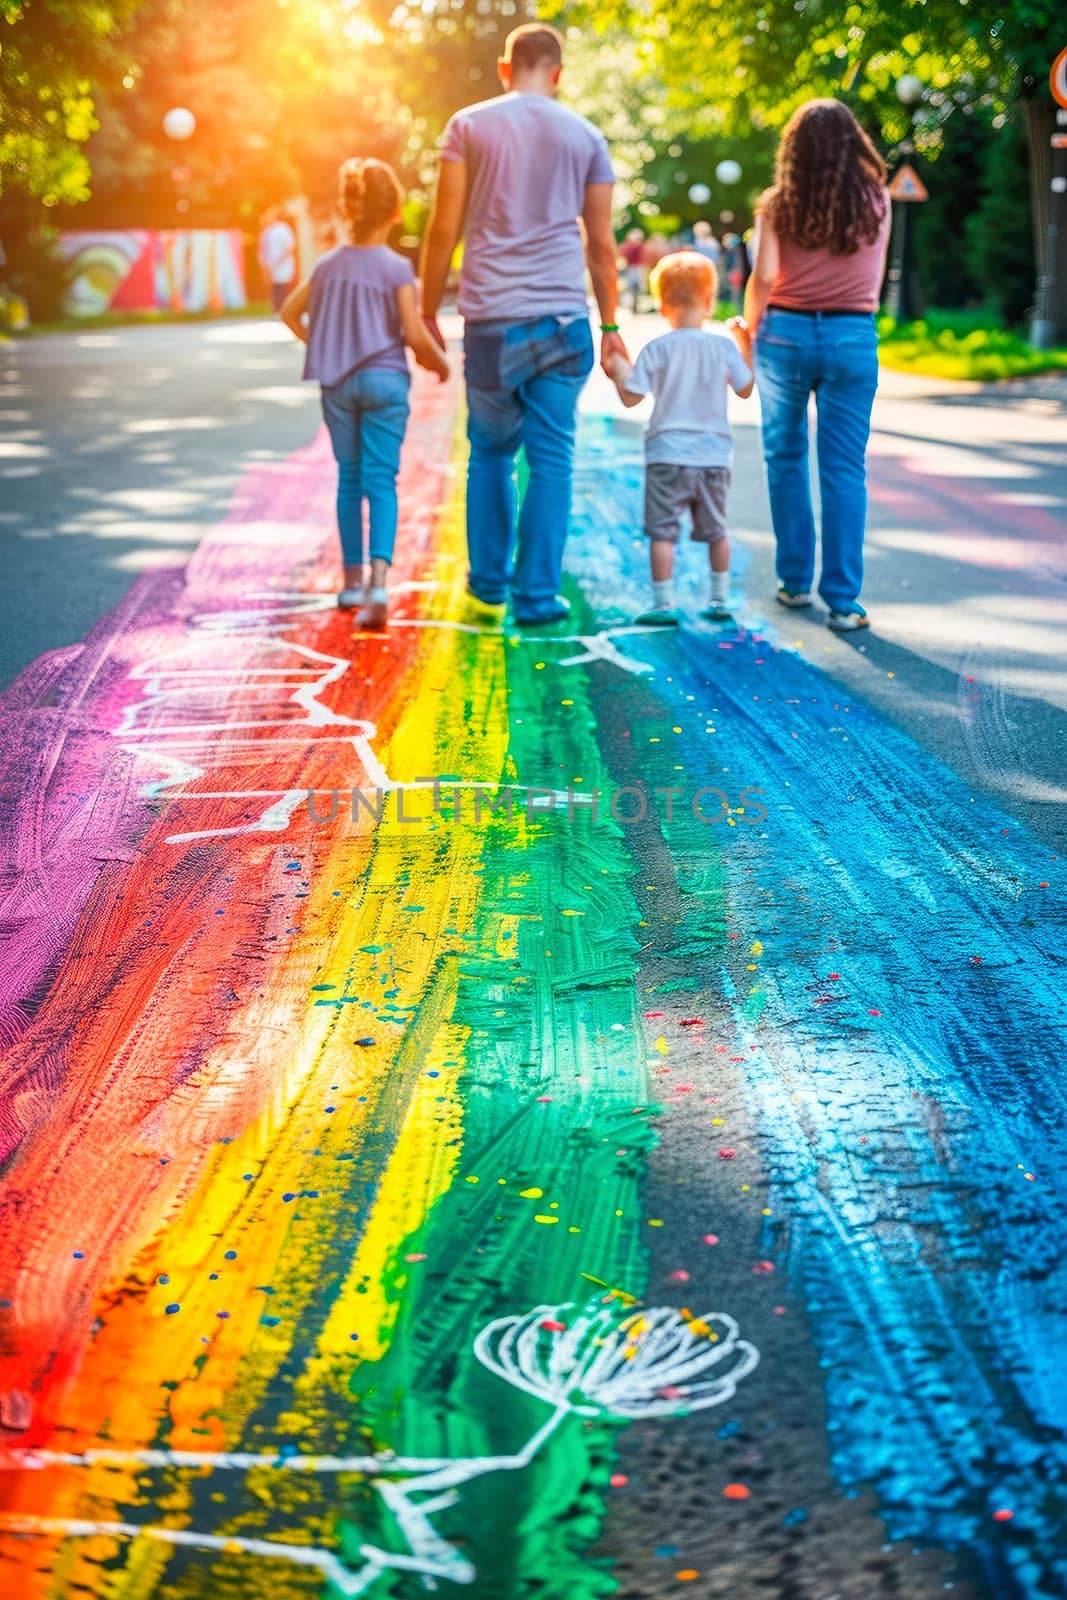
[283,706]
[601,1359]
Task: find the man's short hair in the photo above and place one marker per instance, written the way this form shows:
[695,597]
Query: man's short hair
[533,45]
[682,278]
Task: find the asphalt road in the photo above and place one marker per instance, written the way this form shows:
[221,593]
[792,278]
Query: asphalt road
[120,449]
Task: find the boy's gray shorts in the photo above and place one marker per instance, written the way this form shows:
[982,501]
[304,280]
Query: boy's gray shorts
[670,490]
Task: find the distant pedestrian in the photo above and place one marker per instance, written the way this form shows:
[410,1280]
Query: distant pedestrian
[688,447]
[820,247]
[706,244]
[653,251]
[736,266]
[634,275]
[277,255]
[362,311]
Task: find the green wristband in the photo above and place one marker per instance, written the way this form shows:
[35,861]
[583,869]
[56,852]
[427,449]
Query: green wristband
[609,327]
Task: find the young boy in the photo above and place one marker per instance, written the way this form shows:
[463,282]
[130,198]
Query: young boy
[688,447]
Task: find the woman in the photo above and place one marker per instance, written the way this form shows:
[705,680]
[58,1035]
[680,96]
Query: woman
[820,247]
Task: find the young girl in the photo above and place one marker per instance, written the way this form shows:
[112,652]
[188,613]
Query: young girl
[360,301]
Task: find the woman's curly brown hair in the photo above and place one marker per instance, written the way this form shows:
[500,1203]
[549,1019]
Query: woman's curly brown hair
[369,193]
[829,181]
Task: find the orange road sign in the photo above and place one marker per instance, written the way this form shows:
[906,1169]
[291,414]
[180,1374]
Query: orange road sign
[907,185]
[1057,79]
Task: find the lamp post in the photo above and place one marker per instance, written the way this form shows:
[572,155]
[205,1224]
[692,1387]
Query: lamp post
[179,125]
[901,299]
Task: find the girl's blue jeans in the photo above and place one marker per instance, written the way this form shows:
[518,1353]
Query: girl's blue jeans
[836,359]
[366,416]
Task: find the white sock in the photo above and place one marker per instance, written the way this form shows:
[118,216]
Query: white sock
[663,594]
[720,585]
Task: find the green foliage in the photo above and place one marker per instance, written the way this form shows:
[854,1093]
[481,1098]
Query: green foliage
[49,50]
[660,146]
[962,345]
[736,66]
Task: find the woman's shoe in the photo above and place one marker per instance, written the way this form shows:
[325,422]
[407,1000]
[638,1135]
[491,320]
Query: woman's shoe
[375,612]
[847,621]
[796,598]
[349,599]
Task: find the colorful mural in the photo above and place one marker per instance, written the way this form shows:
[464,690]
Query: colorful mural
[463,1087]
[142,269]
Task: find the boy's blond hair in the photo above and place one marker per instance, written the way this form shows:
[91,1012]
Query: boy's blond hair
[683,278]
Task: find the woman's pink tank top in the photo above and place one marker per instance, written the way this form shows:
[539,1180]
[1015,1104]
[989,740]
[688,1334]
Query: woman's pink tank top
[815,280]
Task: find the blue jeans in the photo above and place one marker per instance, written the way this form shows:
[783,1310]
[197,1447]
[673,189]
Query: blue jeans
[366,416]
[523,382]
[837,359]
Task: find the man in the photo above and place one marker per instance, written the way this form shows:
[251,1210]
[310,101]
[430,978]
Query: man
[516,174]
[277,256]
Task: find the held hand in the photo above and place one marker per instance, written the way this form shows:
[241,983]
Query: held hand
[612,345]
[433,361]
[433,329]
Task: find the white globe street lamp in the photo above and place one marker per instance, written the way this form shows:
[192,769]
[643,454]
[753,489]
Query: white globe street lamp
[699,194]
[179,123]
[728,172]
[909,89]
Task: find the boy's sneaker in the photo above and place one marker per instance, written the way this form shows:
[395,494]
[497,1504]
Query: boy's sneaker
[349,599]
[847,621]
[717,611]
[375,611]
[659,617]
[795,598]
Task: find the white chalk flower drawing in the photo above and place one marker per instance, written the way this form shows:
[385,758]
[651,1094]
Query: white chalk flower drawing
[597,1359]
[650,1364]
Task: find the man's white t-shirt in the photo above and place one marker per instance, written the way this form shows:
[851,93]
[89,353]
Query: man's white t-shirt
[688,372]
[277,252]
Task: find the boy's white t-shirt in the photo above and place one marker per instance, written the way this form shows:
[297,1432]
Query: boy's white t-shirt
[688,371]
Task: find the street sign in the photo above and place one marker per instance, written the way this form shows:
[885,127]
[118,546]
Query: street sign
[907,185]
[1057,79]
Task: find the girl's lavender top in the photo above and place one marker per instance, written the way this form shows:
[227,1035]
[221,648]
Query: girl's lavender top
[353,320]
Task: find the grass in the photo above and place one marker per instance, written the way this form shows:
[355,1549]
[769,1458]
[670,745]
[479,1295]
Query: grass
[962,344]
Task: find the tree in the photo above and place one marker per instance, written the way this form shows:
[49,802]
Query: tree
[49,51]
[998,237]
[769,59]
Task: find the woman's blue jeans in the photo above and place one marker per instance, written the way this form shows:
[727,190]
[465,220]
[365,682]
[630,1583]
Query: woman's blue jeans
[366,416]
[836,359]
[523,382]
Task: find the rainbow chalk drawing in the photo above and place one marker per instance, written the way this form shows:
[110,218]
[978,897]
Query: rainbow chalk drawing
[300,1118]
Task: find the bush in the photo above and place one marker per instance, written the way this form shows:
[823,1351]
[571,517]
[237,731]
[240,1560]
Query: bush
[961,344]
